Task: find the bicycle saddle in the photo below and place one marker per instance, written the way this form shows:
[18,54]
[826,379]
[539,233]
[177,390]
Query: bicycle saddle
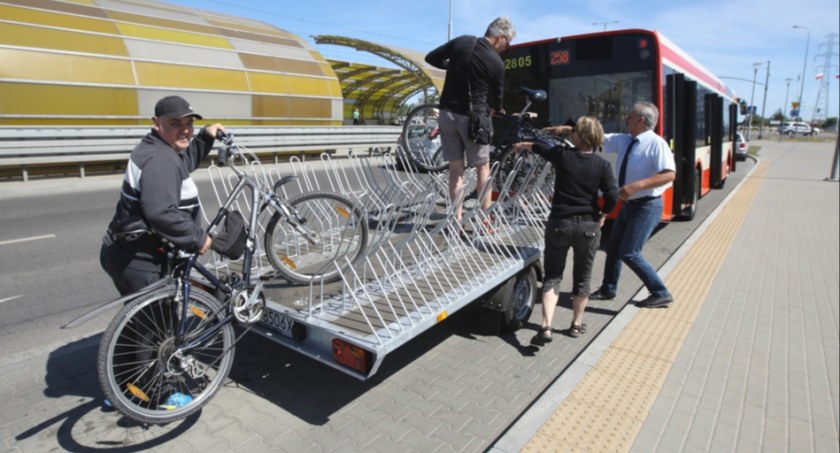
[534,95]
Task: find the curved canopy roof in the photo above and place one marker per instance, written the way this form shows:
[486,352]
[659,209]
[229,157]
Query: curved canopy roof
[379,92]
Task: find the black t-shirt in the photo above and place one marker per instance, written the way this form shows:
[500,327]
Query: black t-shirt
[578,178]
[482,67]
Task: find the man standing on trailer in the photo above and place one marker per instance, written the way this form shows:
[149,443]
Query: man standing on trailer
[645,169]
[474,78]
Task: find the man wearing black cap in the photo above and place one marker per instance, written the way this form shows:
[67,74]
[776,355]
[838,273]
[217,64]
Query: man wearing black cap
[158,190]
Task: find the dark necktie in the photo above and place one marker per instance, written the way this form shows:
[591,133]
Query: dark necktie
[622,172]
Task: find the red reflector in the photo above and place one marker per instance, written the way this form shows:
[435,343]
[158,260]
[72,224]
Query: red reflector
[350,355]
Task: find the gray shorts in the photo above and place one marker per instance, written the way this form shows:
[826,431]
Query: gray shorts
[454,137]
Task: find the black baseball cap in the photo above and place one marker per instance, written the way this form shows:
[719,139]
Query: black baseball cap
[174,107]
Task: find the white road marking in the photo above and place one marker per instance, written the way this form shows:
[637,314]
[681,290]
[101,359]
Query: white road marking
[10,298]
[34,238]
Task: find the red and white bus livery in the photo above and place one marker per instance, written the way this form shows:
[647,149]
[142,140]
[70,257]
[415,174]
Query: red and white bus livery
[604,74]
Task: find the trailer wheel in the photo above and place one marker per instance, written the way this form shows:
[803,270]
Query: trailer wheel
[520,303]
[509,306]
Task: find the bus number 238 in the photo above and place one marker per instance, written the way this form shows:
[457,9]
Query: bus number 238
[559,57]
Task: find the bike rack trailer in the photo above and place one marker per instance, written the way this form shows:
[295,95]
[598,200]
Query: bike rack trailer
[421,265]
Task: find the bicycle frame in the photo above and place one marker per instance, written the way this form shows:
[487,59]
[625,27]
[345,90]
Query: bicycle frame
[260,199]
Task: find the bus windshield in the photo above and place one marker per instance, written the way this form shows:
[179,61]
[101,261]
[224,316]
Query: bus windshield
[602,76]
[608,97]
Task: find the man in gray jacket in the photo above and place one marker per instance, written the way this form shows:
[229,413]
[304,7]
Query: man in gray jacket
[159,190]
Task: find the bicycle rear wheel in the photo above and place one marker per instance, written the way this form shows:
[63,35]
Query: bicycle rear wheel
[140,368]
[331,230]
[420,140]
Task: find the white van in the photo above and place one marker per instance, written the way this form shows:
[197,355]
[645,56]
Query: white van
[795,127]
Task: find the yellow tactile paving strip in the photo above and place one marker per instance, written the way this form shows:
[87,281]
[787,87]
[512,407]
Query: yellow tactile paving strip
[608,406]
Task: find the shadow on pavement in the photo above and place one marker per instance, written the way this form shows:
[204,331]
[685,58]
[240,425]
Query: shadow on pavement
[313,391]
[71,381]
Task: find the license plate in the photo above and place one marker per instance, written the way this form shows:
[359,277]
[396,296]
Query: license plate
[278,322]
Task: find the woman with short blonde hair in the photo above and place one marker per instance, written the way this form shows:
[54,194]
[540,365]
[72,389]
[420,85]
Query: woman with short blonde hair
[575,220]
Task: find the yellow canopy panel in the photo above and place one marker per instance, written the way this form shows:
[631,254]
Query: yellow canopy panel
[103,62]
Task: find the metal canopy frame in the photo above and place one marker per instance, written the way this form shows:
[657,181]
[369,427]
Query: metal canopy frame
[387,88]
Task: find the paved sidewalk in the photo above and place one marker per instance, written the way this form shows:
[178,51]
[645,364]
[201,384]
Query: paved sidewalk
[756,368]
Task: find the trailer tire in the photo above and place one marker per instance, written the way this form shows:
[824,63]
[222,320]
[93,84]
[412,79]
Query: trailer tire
[521,296]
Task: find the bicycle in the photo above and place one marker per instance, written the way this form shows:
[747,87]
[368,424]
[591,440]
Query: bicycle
[169,349]
[421,141]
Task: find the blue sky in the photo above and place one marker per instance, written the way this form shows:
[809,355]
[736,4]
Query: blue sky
[727,37]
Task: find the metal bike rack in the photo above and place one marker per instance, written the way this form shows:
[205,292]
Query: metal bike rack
[417,269]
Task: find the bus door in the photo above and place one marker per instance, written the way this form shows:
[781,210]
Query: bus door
[715,122]
[681,99]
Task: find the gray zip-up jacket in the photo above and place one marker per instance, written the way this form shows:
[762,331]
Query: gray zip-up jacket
[158,187]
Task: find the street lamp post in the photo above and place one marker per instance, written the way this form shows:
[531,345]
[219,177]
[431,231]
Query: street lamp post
[784,117]
[605,23]
[804,65]
[752,98]
[764,103]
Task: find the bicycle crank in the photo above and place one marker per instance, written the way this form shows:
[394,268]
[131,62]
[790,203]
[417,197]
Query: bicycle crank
[248,308]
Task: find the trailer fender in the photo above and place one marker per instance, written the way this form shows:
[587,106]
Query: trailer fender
[509,306]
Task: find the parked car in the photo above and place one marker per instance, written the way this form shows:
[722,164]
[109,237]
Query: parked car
[741,147]
[423,144]
[795,128]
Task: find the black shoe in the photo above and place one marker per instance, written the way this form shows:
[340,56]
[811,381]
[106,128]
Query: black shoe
[542,337]
[656,301]
[601,294]
[577,330]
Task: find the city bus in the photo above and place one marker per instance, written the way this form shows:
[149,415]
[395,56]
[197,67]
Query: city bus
[604,74]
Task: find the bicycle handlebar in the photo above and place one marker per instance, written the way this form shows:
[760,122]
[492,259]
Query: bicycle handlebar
[228,148]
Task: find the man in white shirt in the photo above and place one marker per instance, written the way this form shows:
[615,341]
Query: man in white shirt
[646,169]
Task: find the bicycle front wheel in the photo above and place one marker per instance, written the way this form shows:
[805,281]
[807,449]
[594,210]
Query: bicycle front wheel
[142,369]
[326,232]
[514,178]
[420,140]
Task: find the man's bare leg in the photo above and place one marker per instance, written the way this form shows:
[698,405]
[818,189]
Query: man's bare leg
[482,173]
[456,186]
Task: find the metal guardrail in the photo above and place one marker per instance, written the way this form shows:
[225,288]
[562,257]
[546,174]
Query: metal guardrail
[22,148]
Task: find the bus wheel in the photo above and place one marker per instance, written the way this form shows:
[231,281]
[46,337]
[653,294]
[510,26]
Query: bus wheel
[690,212]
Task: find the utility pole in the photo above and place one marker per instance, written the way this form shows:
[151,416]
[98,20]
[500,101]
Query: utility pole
[764,103]
[784,116]
[751,107]
[804,65]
